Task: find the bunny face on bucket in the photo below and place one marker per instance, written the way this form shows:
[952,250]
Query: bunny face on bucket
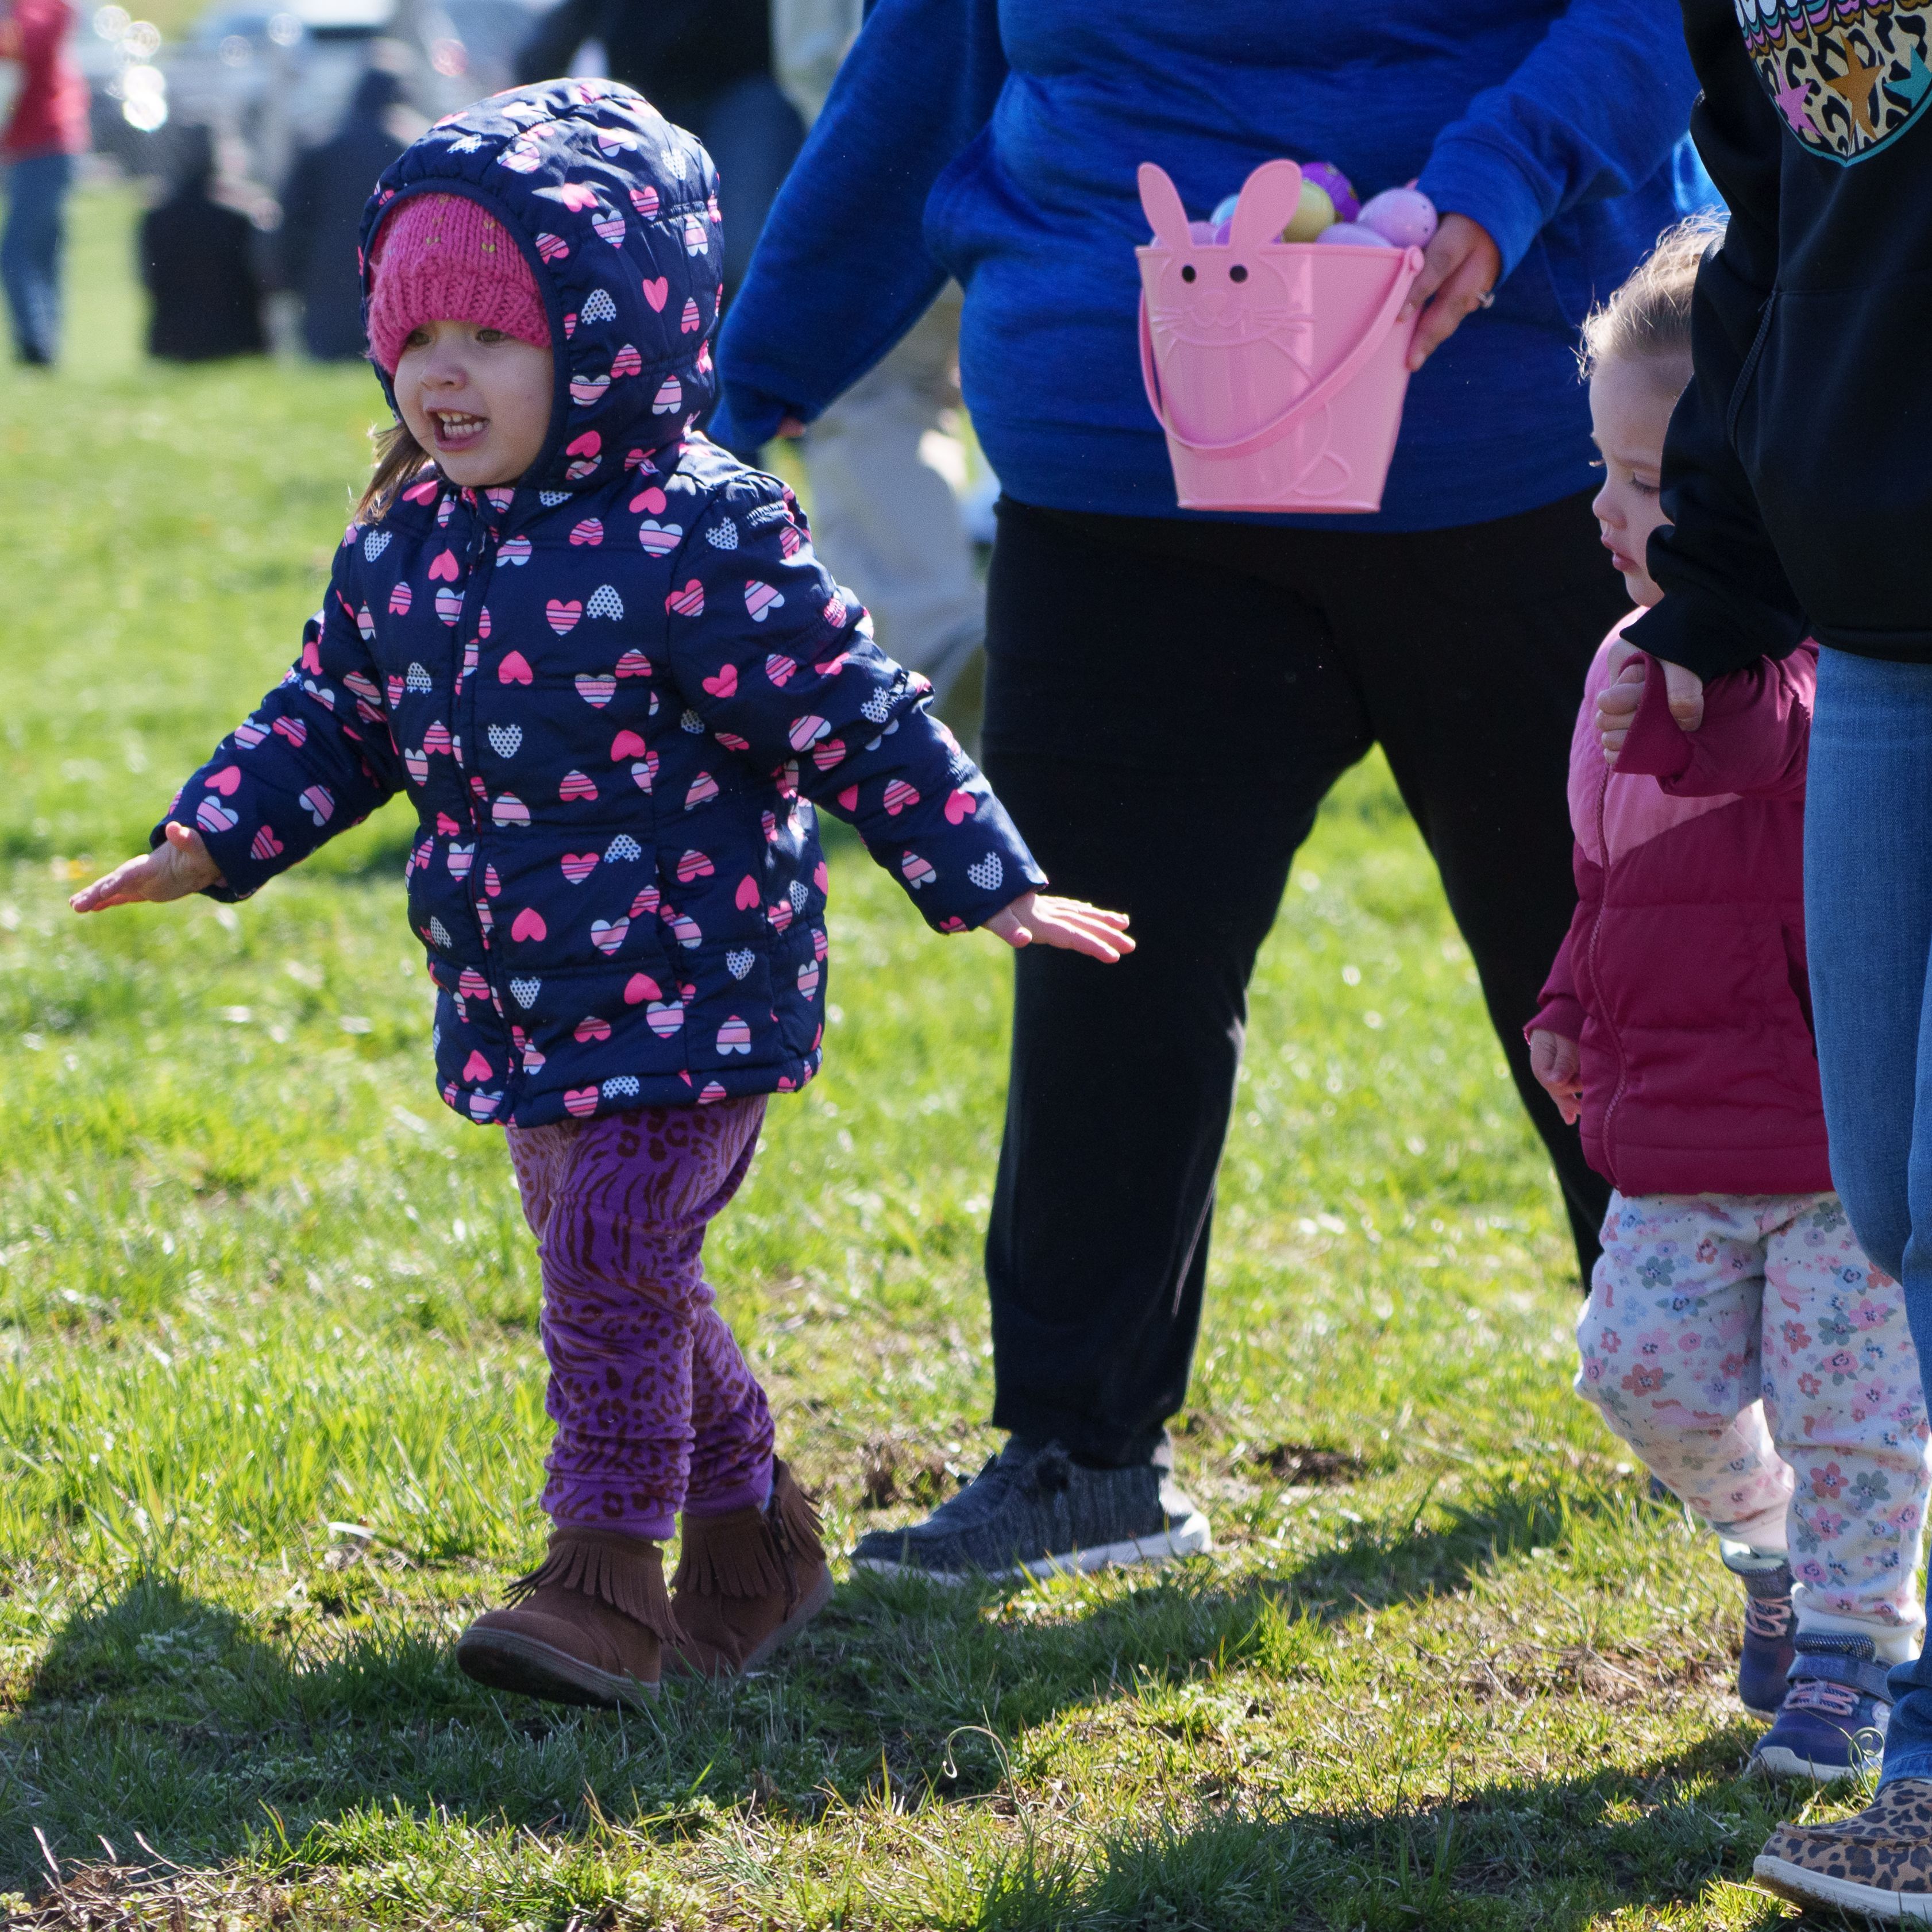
[1216,294]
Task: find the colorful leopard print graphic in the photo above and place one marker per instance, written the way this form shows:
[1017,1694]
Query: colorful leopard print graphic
[1848,76]
[655,1408]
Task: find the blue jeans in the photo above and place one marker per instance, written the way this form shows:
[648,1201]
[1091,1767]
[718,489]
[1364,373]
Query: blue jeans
[1868,928]
[30,250]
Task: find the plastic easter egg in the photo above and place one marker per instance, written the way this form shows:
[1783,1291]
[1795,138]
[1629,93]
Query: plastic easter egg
[1336,185]
[1403,215]
[1314,212]
[1222,232]
[1224,211]
[1354,234]
[1200,231]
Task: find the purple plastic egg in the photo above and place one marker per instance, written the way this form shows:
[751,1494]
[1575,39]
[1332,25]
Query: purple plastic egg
[1202,231]
[1326,176]
[1222,232]
[1403,215]
[1355,234]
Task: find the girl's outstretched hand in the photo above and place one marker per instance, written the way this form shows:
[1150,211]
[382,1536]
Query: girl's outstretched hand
[1040,918]
[178,865]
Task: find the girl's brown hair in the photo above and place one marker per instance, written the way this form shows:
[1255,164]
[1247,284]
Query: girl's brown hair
[398,457]
[1649,319]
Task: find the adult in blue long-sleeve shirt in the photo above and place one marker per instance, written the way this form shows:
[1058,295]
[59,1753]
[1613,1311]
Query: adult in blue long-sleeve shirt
[1169,695]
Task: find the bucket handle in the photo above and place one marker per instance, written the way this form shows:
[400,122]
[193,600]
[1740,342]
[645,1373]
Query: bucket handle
[1311,399]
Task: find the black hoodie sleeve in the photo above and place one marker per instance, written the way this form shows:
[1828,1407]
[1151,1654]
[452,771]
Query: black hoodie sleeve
[1727,600]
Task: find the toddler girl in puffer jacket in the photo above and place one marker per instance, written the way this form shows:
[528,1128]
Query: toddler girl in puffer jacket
[1735,1336]
[599,654]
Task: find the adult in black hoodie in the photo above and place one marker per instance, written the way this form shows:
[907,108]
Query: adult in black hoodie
[198,261]
[1797,477]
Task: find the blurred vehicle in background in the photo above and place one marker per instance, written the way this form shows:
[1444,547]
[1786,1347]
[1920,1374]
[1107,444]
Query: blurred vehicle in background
[280,77]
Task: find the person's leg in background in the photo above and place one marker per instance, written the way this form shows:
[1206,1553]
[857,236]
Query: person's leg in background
[754,134]
[1163,733]
[1868,935]
[30,252]
[1473,643]
[888,523]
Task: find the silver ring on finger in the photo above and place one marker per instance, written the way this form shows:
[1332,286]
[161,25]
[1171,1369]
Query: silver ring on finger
[1487,299]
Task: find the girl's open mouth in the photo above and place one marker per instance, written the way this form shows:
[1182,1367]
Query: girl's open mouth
[457,432]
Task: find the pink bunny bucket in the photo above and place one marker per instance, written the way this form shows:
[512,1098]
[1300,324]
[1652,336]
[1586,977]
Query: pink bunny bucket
[1276,368]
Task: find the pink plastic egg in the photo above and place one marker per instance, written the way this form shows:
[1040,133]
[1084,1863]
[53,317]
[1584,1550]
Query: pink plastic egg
[1403,215]
[1335,184]
[1355,234]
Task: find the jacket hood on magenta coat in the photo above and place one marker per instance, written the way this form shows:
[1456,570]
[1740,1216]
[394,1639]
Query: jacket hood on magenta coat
[616,210]
[614,691]
[1683,976]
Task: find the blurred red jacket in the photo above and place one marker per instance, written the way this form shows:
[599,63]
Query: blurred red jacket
[49,114]
[1683,978]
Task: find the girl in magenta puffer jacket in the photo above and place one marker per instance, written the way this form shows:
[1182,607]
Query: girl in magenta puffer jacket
[599,656]
[1735,1336]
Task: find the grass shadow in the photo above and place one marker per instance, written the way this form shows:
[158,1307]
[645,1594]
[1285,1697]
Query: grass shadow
[1400,1560]
[1560,1853]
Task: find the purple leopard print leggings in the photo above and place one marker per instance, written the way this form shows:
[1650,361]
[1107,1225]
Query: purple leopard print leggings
[656,1408]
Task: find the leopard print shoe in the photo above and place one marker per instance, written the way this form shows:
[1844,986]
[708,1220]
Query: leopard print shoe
[1877,1863]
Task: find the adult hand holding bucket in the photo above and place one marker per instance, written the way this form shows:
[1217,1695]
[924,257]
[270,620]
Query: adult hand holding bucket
[1277,369]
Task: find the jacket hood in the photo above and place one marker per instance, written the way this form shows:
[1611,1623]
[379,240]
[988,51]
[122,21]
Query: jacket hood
[616,211]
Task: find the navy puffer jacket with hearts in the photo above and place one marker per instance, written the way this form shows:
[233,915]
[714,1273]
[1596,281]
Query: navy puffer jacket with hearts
[612,692]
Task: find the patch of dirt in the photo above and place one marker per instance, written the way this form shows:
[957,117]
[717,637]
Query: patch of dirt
[1308,1463]
[892,1471]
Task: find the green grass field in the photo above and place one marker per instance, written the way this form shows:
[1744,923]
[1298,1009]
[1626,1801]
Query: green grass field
[271,1399]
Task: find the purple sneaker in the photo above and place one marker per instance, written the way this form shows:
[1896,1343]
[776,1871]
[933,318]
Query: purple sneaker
[1832,1729]
[1765,1662]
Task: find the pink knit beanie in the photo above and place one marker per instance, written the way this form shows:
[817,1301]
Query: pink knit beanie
[444,257]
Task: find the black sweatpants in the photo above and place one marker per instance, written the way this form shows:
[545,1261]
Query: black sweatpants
[1167,703]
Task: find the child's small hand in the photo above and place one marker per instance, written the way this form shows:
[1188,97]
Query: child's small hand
[1617,702]
[1557,1065]
[1038,919]
[178,865]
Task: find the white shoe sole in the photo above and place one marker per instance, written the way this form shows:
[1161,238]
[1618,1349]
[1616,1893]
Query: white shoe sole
[1810,1887]
[1189,1536]
[1780,1762]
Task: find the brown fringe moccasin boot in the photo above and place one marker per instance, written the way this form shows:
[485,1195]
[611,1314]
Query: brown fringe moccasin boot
[748,1580]
[589,1625]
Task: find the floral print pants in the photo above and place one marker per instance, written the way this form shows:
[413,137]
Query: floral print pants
[1759,1364]
[655,1408]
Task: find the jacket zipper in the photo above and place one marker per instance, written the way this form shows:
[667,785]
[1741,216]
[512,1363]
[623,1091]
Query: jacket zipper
[1748,369]
[479,554]
[1596,980]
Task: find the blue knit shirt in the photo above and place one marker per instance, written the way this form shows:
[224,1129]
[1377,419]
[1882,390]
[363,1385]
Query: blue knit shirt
[998,144]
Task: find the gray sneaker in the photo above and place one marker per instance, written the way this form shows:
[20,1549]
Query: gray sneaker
[1033,1511]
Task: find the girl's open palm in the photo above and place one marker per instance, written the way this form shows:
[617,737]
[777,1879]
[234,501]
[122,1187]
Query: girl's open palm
[180,865]
[1038,918]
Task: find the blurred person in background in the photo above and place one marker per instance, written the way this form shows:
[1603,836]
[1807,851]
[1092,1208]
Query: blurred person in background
[47,129]
[322,210]
[197,256]
[878,504]
[705,65]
